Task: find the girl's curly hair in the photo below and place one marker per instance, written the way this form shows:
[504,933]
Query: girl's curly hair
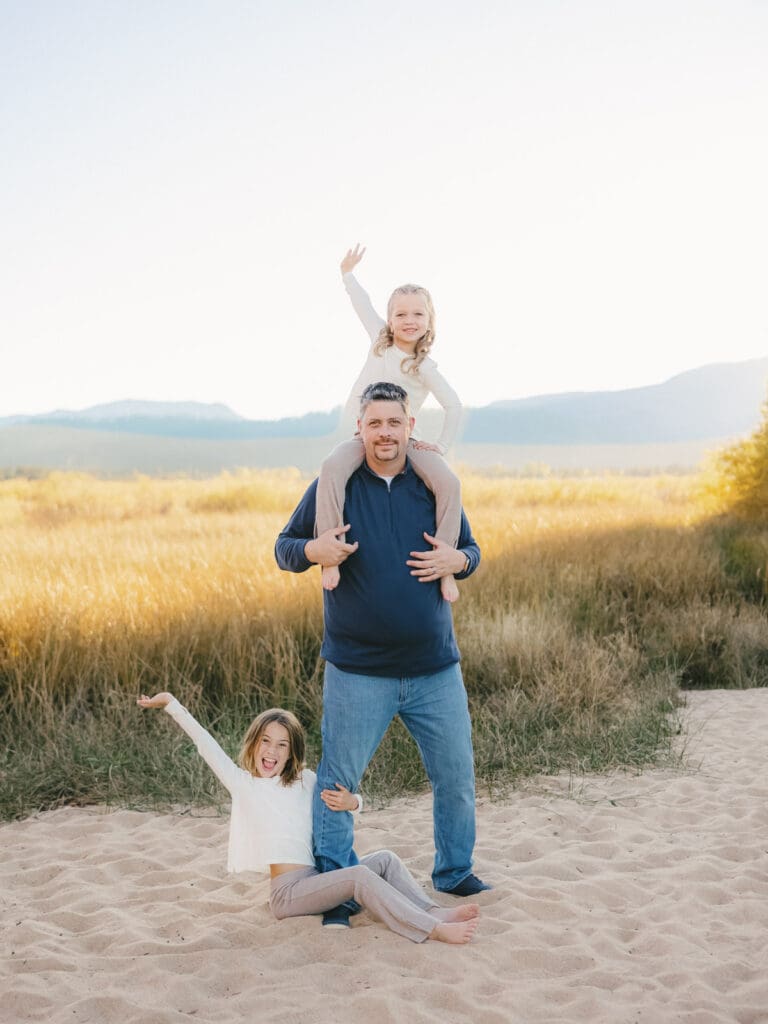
[386,339]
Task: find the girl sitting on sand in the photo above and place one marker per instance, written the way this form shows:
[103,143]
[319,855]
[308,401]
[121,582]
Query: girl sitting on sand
[399,355]
[271,828]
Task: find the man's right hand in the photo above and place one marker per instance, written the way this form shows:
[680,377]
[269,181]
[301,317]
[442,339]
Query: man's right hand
[329,548]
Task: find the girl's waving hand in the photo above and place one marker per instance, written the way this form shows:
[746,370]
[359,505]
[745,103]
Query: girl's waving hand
[158,701]
[352,258]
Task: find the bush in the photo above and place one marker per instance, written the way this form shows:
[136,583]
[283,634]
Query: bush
[738,483]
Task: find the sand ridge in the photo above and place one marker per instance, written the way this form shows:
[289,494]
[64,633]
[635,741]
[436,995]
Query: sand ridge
[624,898]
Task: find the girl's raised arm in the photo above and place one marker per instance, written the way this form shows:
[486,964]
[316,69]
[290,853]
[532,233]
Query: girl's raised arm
[361,300]
[220,763]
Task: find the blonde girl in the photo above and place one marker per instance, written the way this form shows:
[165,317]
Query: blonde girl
[399,355]
[270,830]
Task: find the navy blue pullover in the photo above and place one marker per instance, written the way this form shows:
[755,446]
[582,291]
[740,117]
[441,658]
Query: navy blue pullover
[380,621]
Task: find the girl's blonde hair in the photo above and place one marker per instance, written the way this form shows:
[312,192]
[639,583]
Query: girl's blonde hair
[296,743]
[386,339]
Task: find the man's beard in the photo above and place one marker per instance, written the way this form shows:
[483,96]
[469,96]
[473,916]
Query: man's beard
[392,452]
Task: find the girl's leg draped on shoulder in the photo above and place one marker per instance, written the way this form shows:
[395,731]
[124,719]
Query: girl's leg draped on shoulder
[336,469]
[432,468]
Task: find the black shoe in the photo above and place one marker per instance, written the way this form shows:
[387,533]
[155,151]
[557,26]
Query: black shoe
[469,886]
[336,918]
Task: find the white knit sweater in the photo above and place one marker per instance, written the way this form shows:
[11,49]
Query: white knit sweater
[387,367]
[270,823]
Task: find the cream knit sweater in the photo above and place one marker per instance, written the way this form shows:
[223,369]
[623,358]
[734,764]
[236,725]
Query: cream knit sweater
[270,823]
[387,367]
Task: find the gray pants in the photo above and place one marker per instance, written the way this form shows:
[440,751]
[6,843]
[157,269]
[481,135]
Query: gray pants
[380,882]
[430,466]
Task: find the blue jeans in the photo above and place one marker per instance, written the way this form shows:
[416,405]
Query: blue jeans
[357,711]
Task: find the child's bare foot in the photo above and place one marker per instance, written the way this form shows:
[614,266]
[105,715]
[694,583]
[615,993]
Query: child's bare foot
[448,588]
[457,932]
[465,912]
[331,577]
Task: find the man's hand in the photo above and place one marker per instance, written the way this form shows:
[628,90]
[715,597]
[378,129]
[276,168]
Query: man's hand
[342,800]
[425,446]
[329,548]
[442,560]
[352,258]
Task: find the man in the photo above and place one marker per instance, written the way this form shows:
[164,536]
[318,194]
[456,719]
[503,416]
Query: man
[389,644]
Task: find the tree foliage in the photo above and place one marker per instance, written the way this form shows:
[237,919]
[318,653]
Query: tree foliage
[741,473]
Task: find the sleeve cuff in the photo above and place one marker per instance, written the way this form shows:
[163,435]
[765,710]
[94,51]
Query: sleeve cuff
[468,564]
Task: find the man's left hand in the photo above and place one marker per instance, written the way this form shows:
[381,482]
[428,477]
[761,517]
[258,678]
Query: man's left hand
[442,560]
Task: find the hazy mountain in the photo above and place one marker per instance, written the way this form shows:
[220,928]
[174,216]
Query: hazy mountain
[663,425]
[180,419]
[130,409]
[719,400]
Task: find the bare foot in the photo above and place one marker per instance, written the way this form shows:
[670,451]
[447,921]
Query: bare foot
[457,932]
[331,577]
[448,588]
[465,912]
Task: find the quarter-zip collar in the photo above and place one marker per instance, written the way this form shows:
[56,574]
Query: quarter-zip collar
[371,472]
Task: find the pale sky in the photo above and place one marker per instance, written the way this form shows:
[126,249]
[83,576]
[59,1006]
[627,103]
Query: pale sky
[582,187]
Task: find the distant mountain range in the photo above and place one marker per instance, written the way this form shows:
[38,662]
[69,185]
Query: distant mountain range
[709,404]
[719,400]
[131,409]
[215,422]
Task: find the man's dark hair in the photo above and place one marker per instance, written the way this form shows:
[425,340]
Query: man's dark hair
[383,391]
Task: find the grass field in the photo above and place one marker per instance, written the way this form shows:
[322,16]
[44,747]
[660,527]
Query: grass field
[597,599]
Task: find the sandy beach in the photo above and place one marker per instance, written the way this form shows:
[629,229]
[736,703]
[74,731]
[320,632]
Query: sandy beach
[625,899]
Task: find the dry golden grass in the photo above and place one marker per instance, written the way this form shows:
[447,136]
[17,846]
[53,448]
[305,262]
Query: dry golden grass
[103,555]
[595,597]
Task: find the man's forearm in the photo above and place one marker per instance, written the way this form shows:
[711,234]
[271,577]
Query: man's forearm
[469,548]
[311,552]
[290,544]
[471,559]
[290,553]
